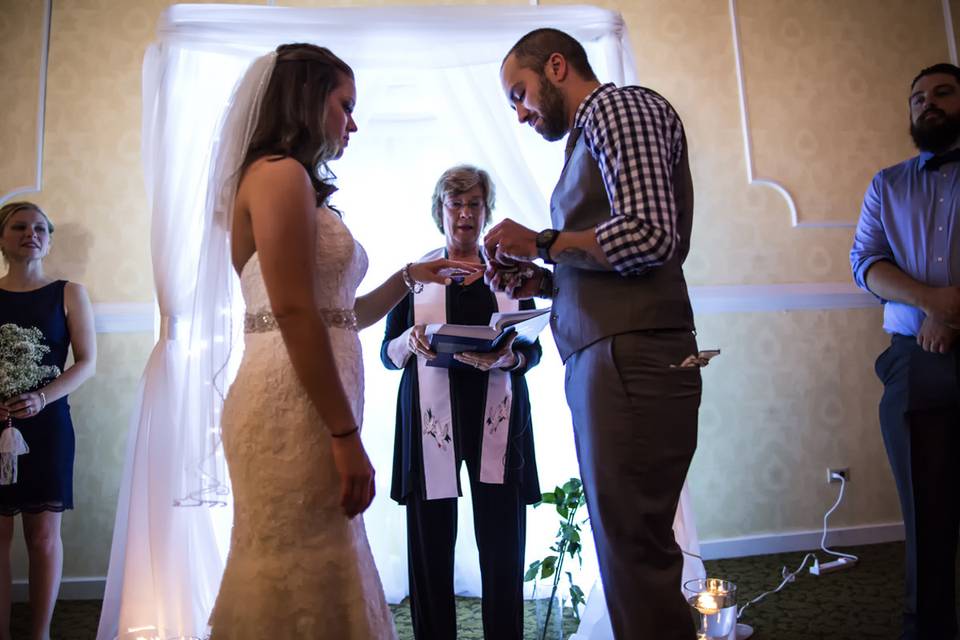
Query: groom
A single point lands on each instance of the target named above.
(622, 212)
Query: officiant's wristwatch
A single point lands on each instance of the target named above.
(544, 241)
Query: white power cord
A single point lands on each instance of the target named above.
(823, 540)
(788, 577)
(845, 559)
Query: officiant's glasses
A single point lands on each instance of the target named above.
(473, 206)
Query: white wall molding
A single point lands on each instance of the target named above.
(787, 542)
(951, 35)
(41, 109)
(779, 297)
(124, 317)
(141, 317)
(752, 178)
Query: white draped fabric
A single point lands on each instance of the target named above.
(428, 97)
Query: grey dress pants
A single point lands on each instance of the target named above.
(635, 425)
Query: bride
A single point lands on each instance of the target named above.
(299, 564)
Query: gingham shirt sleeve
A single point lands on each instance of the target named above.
(636, 138)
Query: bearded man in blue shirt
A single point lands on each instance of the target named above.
(907, 252)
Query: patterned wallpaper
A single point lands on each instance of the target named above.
(793, 392)
(20, 26)
(822, 94)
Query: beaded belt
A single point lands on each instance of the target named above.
(264, 320)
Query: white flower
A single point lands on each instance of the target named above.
(21, 352)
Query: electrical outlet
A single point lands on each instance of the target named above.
(843, 471)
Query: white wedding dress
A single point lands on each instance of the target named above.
(297, 568)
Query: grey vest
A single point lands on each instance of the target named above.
(591, 305)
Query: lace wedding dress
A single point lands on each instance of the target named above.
(297, 568)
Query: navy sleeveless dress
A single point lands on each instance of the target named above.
(45, 475)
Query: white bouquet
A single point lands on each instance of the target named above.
(21, 352)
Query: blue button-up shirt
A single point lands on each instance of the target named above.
(910, 218)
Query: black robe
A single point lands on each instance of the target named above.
(473, 304)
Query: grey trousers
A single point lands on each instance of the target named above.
(635, 425)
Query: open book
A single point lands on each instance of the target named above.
(448, 339)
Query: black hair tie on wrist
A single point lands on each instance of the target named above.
(345, 433)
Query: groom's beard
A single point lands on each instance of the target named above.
(552, 111)
(935, 134)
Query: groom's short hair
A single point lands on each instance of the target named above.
(534, 49)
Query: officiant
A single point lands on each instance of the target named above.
(477, 412)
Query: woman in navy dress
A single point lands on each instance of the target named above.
(44, 487)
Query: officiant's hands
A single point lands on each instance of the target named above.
(503, 358)
(418, 344)
(356, 474)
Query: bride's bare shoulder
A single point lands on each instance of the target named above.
(269, 170)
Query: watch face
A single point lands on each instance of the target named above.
(544, 241)
(546, 237)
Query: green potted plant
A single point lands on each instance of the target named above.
(567, 499)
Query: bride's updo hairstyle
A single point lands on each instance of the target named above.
(293, 110)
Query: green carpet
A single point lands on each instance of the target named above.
(865, 601)
(470, 622)
(860, 603)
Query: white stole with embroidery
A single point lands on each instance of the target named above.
(436, 414)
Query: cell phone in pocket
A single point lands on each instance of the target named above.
(706, 354)
(699, 360)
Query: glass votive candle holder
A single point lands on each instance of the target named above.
(714, 602)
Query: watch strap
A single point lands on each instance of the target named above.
(545, 240)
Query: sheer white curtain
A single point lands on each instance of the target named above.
(428, 97)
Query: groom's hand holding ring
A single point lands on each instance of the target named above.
(509, 240)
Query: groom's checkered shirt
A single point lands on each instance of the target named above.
(636, 137)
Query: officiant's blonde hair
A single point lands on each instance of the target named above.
(7, 211)
(460, 179)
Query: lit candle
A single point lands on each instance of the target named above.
(713, 604)
(707, 604)
(716, 603)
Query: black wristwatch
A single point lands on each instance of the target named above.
(545, 240)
